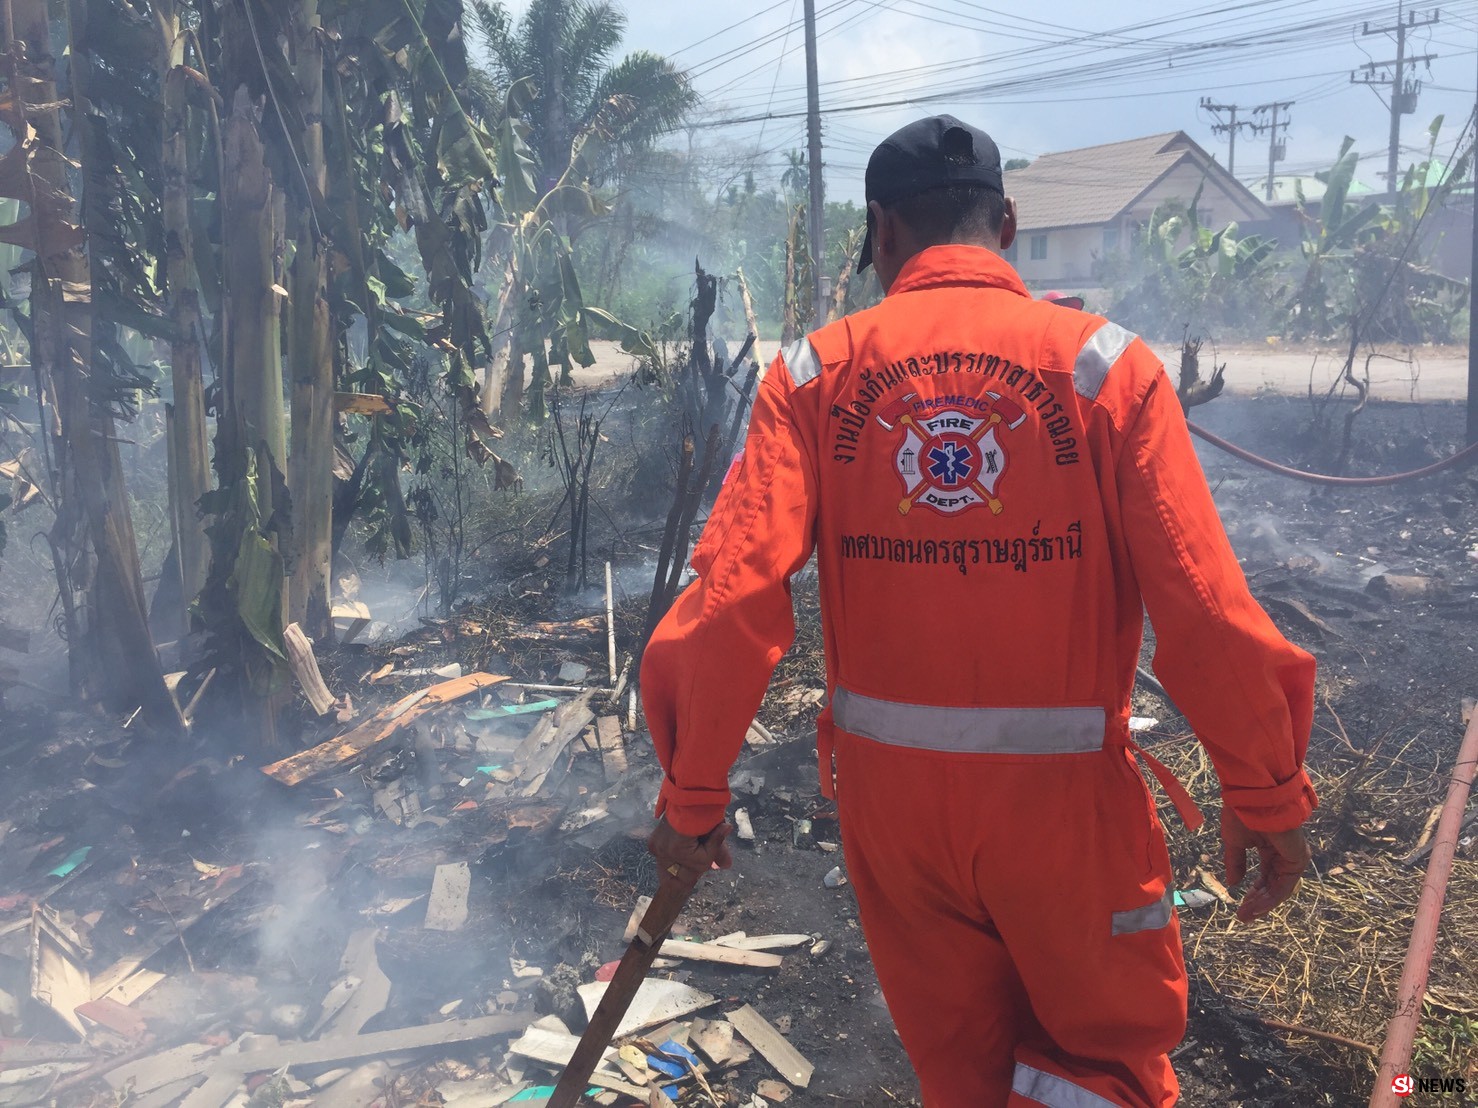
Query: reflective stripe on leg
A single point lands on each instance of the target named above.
(1053, 1091)
(1149, 918)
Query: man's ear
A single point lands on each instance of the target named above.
(1008, 224)
(880, 226)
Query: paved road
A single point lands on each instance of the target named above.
(1432, 373)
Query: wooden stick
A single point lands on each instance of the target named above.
(610, 626)
(1327, 1036)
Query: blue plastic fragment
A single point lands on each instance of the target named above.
(665, 1067)
(71, 862)
(544, 1092)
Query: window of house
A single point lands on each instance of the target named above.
(1110, 239)
(1039, 248)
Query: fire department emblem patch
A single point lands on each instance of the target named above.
(950, 458)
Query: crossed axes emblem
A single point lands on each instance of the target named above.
(1002, 411)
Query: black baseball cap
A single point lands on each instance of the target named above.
(929, 154)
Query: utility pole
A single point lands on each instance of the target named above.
(1472, 315)
(816, 214)
(1404, 91)
(1276, 147)
(1229, 128)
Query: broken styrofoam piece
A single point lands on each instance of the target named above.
(742, 826)
(447, 908)
(656, 1002)
(1142, 723)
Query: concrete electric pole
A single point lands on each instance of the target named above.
(1473, 313)
(1404, 90)
(1229, 128)
(1276, 147)
(816, 208)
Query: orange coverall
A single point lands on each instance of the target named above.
(996, 490)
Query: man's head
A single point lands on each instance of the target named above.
(935, 181)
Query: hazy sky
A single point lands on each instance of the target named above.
(1053, 76)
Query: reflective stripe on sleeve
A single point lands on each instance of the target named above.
(801, 361)
(1053, 1091)
(1099, 353)
(970, 730)
(1151, 917)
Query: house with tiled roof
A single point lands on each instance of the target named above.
(1077, 207)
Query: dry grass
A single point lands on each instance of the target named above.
(1331, 959)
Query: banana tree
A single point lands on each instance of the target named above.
(78, 266)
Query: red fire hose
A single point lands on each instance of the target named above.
(1401, 1032)
(1462, 457)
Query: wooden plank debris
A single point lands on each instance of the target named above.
(301, 661)
(655, 1003)
(369, 987)
(355, 617)
(344, 1048)
(555, 1049)
(612, 745)
(766, 942)
(446, 910)
(715, 1039)
(773, 1046)
(59, 977)
(634, 921)
(144, 1075)
(776, 1092)
(727, 955)
(127, 989)
(536, 756)
(379, 728)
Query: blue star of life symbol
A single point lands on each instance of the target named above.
(951, 463)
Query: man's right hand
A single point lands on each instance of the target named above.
(1282, 858)
(685, 858)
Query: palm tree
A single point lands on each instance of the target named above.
(793, 181)
(567, 48)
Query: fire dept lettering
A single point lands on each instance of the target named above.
(1018, 552)
(1030, 390)
(950, 458)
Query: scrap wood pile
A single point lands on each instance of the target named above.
(131, 982)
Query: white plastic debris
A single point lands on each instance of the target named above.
(1142, 723)
(742, 826)
(834, 878)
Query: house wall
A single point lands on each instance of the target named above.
(1216, 207)
(1072, 254)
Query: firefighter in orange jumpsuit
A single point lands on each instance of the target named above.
(996, 490)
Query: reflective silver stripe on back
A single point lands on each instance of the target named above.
(1151, 917)
(1102, 350)
(1053, 1091)
(970, 730)
(800, 359)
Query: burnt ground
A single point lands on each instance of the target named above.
(242, 892)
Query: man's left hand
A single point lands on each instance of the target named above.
(685, 858)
